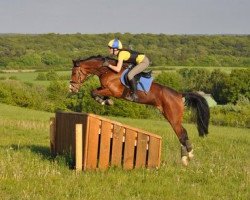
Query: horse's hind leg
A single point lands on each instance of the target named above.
(186, 147)
(173, 112)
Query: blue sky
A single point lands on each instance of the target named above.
(134, 16)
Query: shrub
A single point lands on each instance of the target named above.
(170, 79)
(52, 76)
(3, 78)
(41, 77)
(13, 78)
(231, 115)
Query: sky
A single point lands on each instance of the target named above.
(125, 16)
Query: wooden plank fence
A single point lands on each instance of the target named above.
(95, 142)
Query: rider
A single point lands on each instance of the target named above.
(140, 62)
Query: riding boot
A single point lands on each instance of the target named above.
(133, 87)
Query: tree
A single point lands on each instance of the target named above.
(240, 84)
(194, 79)
(170, 79)
(219, 86)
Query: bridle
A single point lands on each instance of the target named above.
(80, 75)
(75, 85)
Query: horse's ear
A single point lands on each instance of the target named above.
(75, 63)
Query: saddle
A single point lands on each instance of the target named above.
(143, 79)
(146, 74)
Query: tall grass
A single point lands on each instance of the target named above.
(220, 170)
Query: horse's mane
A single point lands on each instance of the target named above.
(98, 57)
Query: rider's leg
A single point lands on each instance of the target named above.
(136, 70)
(133, 88)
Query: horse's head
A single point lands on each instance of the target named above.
(82, 69)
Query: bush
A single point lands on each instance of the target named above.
(3, 77)
(13, 78)
(56, 97)
(231, 115)
(52, 76)
(25, 95)
(170, 79)
(41, 77)
(194, 79)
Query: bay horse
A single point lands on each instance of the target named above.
(170, 102)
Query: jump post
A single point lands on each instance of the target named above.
(95, 142)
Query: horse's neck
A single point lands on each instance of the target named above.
(106, 70)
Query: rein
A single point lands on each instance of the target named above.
(99, 70)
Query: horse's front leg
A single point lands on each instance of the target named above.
(101, 95)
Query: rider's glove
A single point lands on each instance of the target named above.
(105, 64)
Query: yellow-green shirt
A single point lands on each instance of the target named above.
(125, 55)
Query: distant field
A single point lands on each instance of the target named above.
(30, 75)
(158, 69)
(220, 170)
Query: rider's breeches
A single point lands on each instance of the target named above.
(138, 68)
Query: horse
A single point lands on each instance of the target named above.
(170, 102)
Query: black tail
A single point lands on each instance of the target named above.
(199, 103)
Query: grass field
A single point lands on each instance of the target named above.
(220, 170)
(30, 76)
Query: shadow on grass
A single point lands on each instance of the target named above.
(42, 151)
(45, 154)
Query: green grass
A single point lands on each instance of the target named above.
(220, 169)
(31, 76)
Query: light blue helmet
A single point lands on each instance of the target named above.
(115, 44)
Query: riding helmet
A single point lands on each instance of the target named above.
(115, 44)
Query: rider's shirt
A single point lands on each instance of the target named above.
(125, 55)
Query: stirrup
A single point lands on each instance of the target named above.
(132, 97)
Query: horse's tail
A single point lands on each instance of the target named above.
(199, 103)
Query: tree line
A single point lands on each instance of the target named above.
(231, 89)
(21, 51)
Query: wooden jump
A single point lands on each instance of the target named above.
(95, 142)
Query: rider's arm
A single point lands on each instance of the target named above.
(118, 67)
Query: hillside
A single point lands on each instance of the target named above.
(57, 50)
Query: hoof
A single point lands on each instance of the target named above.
(109, 102)
(184, 160)
(191, 154)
